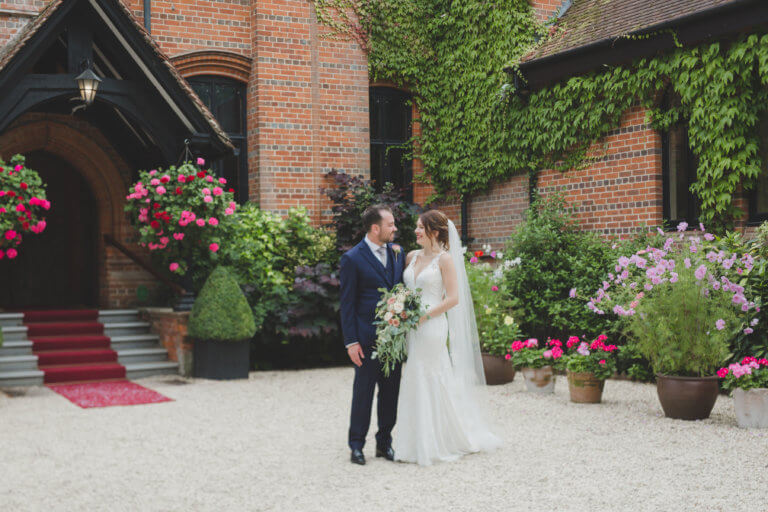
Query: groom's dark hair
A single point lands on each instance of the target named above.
(372, 215)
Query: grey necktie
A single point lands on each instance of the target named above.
(382, 255)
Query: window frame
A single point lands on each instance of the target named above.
(387, 143)
(693, 208)
(239, 139)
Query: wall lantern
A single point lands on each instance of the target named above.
(88, 83)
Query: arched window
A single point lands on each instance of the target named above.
(390, 121)
(226, 99)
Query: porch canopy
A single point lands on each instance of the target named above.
(143, 106)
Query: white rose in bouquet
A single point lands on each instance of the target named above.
(387, 316)
(399, 307)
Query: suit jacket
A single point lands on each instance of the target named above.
(362, 274)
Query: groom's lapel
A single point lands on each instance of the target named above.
(373, 260)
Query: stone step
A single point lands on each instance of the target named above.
(16, 348)
(11, 319)
(21, 378)
(16, 333)
(126, 329)
(139, 370)
(118, 316)
(142, 355)
(134, 341)
(18, 363)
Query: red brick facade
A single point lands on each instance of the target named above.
(307, 107)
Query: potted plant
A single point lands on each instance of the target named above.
(537, 363)
(587, 366)
(680, 309)
(495, 326)
(22, 205)
(749, 382)
(180, 214)
(222, 326)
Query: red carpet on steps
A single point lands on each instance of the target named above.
(104, 394)
(71, 347)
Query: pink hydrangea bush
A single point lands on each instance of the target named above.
(179, 215)
(22, 205)
(595, 357)
(529, 354)
(751, 373)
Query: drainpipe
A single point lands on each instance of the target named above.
(148, 15)
(464, 221)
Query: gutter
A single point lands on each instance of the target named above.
(569, 54)
(148, 15)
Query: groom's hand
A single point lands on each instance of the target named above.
(356, 354)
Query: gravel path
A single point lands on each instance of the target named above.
(278, 442)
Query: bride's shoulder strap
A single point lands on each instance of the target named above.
(411, 254)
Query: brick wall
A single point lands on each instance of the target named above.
(14, 14)
(544, 9)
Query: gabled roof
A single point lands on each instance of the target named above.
(590, 21)
(28, 32)
(593, 33)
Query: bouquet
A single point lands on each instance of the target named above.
(596, 357)
(751, 373)
(397, 313)
(528, 354)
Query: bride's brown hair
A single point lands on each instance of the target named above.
(436, 224)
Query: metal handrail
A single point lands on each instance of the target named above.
(143, 264)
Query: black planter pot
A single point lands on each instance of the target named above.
(186, 300)
(221, 360)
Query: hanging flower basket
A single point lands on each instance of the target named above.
(22, 205)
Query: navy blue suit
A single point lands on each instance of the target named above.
(361, 275)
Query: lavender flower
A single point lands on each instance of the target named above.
(682, 227)
(700, 272)
(720, 324)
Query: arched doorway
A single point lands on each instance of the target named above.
(57, 268)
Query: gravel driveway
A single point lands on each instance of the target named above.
(278, 442)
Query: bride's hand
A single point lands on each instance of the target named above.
(424, 318)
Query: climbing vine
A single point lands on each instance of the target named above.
(474, 131)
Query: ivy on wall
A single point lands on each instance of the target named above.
(451, 55)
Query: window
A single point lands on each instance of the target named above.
(390, 121)
(679, 173)
(226, 99)
(758, 202)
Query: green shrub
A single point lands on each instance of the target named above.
(351, 195)
(221, 312)
(555, 257)
(495, 325)
(263, 250)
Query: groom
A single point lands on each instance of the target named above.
(370, 265)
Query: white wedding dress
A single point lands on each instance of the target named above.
(438, 415)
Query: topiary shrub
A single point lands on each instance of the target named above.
(221, 312)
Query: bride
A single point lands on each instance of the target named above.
(440, 417)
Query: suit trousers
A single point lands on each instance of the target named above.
(367, 377)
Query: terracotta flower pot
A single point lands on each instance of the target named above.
(497, 370)
(687, 398)
(539, 380)
(585, 388)
(751, 407)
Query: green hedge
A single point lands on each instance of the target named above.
(221, 312)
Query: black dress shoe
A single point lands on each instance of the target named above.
(388, 453)
(357, 457)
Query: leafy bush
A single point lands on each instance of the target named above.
(495, 325)
(263, 250)
(555, 257)
(22, 205)
(314, 304)
(180, 214)
(351, 195)
(678, 303)
(221, 312)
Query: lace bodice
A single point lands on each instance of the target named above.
(430, 279)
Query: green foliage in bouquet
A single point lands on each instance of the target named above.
(221, 312)
(397, 313)
(22, 205)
